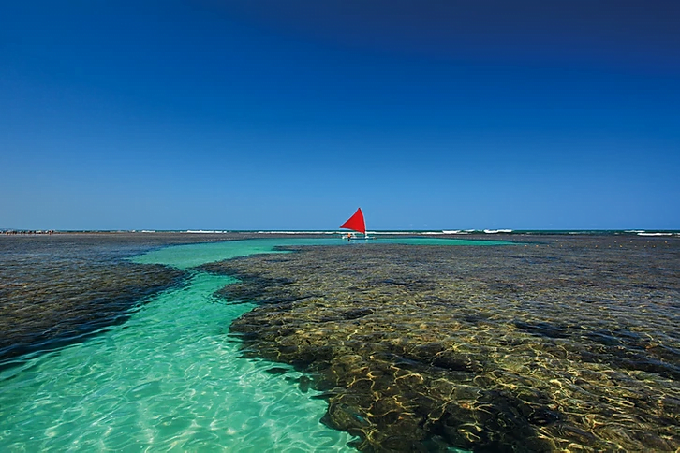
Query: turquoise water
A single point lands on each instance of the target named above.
(440, 241)
(188, 256)
(169, 379)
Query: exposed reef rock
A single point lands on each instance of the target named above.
(58, 289)
(568, 344)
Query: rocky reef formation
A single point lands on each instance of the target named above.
(567, 344)
(57, 289)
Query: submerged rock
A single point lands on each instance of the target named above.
(567, 344)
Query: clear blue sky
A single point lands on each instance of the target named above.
(290, 115)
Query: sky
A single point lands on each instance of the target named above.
(275, 115)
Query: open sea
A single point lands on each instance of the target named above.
(122, 342)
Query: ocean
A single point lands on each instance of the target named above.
(151, 342)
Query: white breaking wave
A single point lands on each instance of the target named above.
(497, 231)
(655, 234)
(206, 231)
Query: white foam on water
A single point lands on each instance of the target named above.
(655, 234)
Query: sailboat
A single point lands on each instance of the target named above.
(356, 223)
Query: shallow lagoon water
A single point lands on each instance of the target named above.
(169, 379)
(193, 255)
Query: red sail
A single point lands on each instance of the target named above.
(356, 222)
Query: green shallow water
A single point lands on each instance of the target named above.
(188, 256)
(169, 379)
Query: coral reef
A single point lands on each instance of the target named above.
(563, 344)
